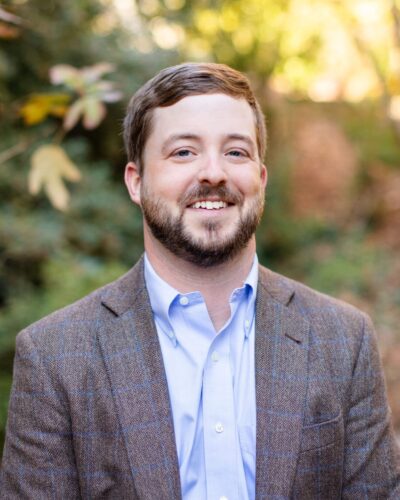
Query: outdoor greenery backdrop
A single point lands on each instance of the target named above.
(327, 74)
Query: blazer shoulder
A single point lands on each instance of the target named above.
(337, 330)
(286, 289)
(315, 306)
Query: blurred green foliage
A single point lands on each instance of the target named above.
(49, 259)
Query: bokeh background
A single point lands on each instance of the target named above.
(327, 73)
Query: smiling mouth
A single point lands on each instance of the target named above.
(209, 205)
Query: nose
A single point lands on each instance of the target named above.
(212, 171)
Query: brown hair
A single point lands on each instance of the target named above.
(173, 84)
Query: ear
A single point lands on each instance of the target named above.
(133, 181)
(264, 176)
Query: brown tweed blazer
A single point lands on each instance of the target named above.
(90, 416)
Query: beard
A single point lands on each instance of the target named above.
(172, 232)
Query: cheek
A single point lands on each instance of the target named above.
(164, 185)
(250, 183)
(175, 174)
(171, 189)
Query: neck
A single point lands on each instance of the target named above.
(215, 283)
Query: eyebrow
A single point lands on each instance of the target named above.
(177, 137)
(230, 137)
(240, 137)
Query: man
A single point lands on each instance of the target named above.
(199, 374)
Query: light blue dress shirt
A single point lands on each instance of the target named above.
(211, 382)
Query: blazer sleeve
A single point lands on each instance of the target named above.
(372, 458)
(38, 459)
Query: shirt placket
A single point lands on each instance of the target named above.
(219, 422)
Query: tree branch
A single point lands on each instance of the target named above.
(21, 146)
(14, 151)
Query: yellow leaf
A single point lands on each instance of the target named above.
(33, 113)
(59, 110)
(39, 106)
(49, 166)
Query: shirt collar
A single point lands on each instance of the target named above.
(162, 295)
(251, 283)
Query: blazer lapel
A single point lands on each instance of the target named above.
(281, 350)
(134, 364)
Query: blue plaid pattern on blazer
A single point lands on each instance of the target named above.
(90, 416)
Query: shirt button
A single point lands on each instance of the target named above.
(219, 428)
(184, 301)
(214, 356)
(247, 323)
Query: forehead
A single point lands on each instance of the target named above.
(204, 115)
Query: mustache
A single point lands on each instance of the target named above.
(204, 191)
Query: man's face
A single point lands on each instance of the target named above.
(202, 188)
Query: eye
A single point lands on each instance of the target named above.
(237, 153)
(182, 153)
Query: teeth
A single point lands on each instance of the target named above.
(210, 205)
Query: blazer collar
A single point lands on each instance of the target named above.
(122, 294)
